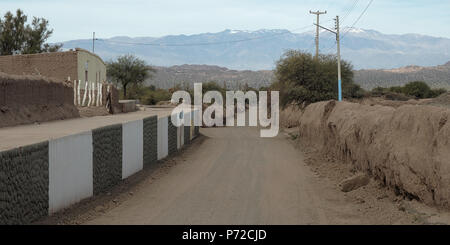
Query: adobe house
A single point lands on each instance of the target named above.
(78, 64)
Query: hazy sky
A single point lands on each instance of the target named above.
(77, 19)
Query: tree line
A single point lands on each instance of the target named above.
(17, 36)
(300, 77)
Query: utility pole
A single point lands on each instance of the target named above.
(338, 54)
(318, 13)
(338, 59)
(93, 42)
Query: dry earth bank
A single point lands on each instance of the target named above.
(405, 148)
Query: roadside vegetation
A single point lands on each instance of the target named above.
(411, 90)
(300, 77)
(303, 79)
(128, 70)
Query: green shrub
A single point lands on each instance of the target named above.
(302, 78)
(417, 89)
(396, 89)
(396, 96)
(147, 95)
(436, 92)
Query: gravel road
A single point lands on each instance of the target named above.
(232, 176)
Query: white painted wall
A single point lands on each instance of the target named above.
(70, 170)
(180, 140)
(132, 148)
(180, 134)
(163, 142)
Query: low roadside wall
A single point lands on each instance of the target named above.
(163, 140)
(128, 105)
(406, 148)
(41, 179)
(24, 183)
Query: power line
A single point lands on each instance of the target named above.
(354, 23)
(204, 43)
(331, 45)
(350, 10)
(331, 40)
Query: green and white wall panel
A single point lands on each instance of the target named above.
(41, 179)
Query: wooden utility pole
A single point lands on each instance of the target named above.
(338, 54)
(338, 58)
(318, 13)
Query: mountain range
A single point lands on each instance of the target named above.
(259, 50)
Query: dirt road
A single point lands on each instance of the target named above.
(232, 176)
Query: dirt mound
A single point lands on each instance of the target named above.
(442, 100)
(290, 116)
(93, 111)
(406, 148)
(30, 99)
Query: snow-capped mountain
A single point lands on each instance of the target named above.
(259, 50)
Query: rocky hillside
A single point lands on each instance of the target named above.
(167, 77)
(186, 75)
(435, 76)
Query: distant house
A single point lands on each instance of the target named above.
(78, 64)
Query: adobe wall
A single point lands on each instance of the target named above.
(56, 65)
(30, 99)
(406, 148)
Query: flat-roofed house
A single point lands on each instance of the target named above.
(78, 64)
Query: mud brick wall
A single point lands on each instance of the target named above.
(29, 99)
(58, 65)
(33, 90)
(172, 137)
(187, 135)
(24, 184)
(107, 157)
(150, 140)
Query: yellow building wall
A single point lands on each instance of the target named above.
(94, 65)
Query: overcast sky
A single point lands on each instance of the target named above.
(72, 19)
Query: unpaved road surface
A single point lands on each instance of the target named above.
(232, 176)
